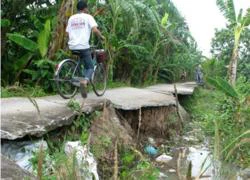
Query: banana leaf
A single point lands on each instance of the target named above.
(223, 86)
(22, 41)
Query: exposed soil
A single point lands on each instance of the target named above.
(157, 122)
(122, 127)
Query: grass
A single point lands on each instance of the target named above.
(23, 91)
(203, 107)
(116, 84)
(53, 163)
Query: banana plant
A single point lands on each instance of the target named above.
(28, 44)
(36, 50)
(223, 86)
(240, 100)
(238, 24)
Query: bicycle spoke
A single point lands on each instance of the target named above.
(65, 85)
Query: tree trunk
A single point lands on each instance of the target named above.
(147, 73)
(232, 71)
(233, 67)
(156, 73)
(59, 36)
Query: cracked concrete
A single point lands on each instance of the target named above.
(20, 117)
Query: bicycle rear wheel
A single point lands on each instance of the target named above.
(63, 77)
(99, 79)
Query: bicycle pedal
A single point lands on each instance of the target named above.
(76, 83)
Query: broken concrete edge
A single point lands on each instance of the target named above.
(90, 108)
(52, 125)
(40, 131)
(129, 108)
(187, 92)
(186, 88)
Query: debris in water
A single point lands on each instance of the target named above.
(163, 158)
(87, 163)
(150, 150)
(162, 175)
(201, 160)
(151, 141)
(172, 170)
(23, 152)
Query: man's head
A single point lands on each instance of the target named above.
(81, 5)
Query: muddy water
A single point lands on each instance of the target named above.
(192, 155)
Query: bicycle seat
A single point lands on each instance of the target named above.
(76, 52)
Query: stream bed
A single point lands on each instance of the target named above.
(192, 157)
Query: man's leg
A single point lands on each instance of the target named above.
(86, 60)
(88, 65)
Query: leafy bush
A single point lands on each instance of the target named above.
(214, 68)
(136, 167)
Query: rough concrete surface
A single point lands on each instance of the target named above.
(133, 98)
(186, 88)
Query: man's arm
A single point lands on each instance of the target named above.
(98, 33)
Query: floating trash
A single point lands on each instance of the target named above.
(150, 150)
(163, 158)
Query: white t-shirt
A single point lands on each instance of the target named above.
(79, 28)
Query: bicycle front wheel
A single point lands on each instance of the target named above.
(63, 77)
(99, 79)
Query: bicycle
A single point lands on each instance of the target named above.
(69, 73)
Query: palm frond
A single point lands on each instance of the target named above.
(150, 13)
(133, 47)
(21, 63)
(22, 41)
(37, 23)
(43, 39)
(174, 14)
(239, 18)
(129, 9)
(228, 10)
(223, 86)
(246, 18)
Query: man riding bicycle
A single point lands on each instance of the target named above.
(79, 28)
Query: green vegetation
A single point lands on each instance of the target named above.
(135, 166)
(237, 24)
(22, 91)
(147, 41)
(223, 114)
(53, 163)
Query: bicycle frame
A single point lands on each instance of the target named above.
(78, 63)
(74, 75)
